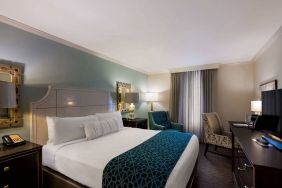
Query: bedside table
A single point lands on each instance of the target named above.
(21, 166)
(135, 123)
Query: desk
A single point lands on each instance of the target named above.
(252, 164)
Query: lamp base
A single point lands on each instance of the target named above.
(131, 115)
(131, 110)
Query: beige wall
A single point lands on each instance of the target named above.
(234, 91)
(268, 66)
(160, 83)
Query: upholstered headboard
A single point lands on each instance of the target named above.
(65, 102)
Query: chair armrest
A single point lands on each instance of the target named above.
(158, 127)
(178, 126)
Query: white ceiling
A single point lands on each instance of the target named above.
(156, 35)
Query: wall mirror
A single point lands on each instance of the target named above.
(11, 78)
(122, 88)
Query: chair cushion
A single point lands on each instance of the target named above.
(162, 119)
(214, 123)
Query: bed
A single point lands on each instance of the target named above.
(80, 162)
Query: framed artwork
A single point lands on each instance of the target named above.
(12, 73)
(272, 85)
(121, 89)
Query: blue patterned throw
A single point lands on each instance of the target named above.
(149, 164)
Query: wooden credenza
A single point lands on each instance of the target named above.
(252, 164)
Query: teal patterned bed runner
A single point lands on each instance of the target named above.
(148, 164)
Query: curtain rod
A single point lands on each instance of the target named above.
(195, 68)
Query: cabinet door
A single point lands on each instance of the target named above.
(21, 171)
(142, 124)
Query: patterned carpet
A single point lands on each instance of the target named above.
(214, 171)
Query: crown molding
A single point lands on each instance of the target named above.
(43, 34)
(272, 39)
(196, 68)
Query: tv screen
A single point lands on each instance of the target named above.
(272, 104)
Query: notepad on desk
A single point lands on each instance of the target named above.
(240, 125)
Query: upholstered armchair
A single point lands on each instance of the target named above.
(214, 132)
(159, 120)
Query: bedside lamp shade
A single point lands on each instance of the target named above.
(131, 98)
(151, 97)
(7, 95)
(256, 107)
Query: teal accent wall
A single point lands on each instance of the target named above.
(51, 63)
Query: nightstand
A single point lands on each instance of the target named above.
(21, 166)
(135, 123)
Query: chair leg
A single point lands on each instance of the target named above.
(206, 149)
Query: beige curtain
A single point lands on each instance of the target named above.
(174, 95)
(192, 93)
(208, 90)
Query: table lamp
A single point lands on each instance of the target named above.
(151, 97)
(7, 96)
(131, 98)
(256, 107)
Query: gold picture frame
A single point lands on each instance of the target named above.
(121, 89)
(15, 72)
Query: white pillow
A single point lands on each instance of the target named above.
(95, 129)
(111, 115)
(61, 130)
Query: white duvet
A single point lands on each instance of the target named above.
(84, 161)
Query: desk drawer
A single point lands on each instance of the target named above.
(243, 170)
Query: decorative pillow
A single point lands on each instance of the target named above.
(95, 129)
(61, 130)
(111, 115)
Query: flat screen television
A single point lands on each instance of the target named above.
(272, 104)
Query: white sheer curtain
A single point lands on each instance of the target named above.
(190, 107)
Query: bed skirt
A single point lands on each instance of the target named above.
(54, 179)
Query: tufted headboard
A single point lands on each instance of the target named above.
(66, 102)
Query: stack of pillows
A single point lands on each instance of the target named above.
(65, 129)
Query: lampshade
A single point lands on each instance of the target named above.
(131, 97)
(256, 106)
(7, 95)
(151, 97)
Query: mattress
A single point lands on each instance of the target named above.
(84, 161)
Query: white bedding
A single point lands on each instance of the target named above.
(84, 161)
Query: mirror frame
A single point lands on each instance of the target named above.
(121, 89)
(16, 72)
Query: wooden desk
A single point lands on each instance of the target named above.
(252, 164)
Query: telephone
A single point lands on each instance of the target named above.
(12, 140)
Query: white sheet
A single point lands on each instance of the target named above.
(84, 161)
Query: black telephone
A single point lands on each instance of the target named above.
(12, 140)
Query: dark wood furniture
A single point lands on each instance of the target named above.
(252, 164)
(135, 123)
(21, 166)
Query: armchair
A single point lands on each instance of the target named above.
(214, 132)
(159, 120)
